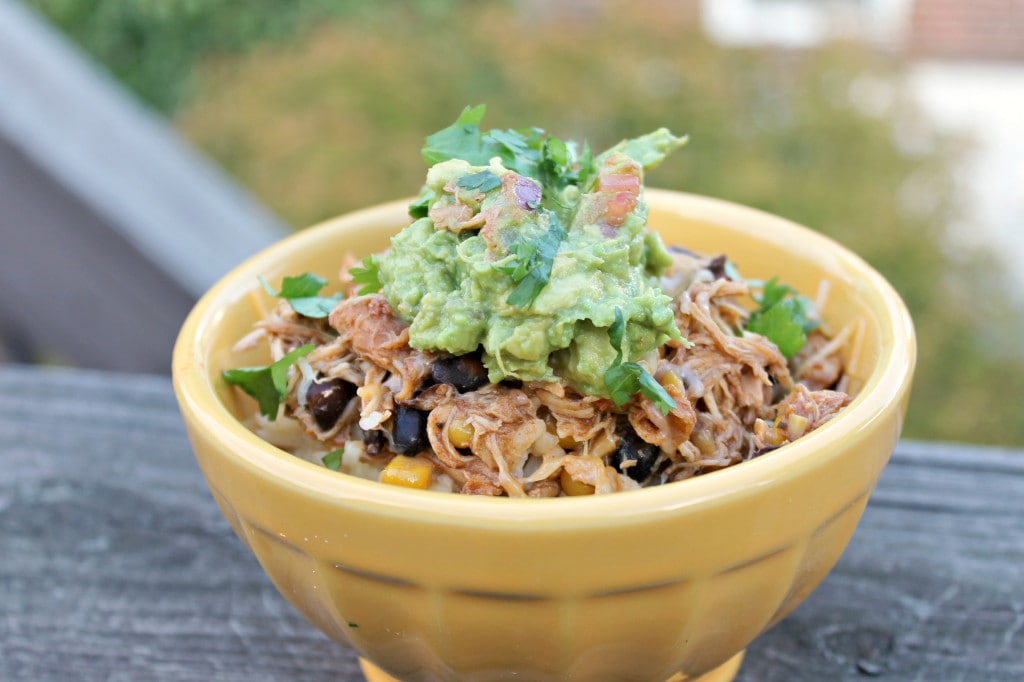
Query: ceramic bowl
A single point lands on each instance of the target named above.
(670, 582)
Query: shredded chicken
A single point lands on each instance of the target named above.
(368, 326)
(799, 413)
(502, 425)
(736, 396)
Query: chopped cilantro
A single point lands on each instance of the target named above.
(616, 332)
(332, 460)
(484, 181)
(518, 149)
(783, 316)
(561, 165)
(460, 140)
(268, 385)
(527, 151)
(519, 265)
(531, 262)
(421, 207)
(625, 379)
(368, 275)
(302, 294)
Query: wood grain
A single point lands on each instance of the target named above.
(115, 563)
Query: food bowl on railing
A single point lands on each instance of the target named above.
(670, 581)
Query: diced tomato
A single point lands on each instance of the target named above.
(619, 207)
(618, 182)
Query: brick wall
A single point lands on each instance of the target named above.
(968, 29)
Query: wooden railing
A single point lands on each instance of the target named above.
(110, 224)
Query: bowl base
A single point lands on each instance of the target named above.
(723, 673)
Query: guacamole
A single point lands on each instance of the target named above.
(533, 269)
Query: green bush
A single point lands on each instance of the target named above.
(334, 121)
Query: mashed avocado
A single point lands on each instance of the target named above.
(529, 255)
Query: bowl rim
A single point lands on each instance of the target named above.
(205, 414)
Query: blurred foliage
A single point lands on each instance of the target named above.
(154, 46)
(334, 121)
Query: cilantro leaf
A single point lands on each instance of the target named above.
(484, 181)
(368, 275)
(561, 166)
(421, 207)
(527, 151)
(650, 387)
(624, 379)
(783, 316)
(520, 150)
(460, 140)
(531, 263)
(586, 165)
(615, 334)
(303, 286)
(772, 292)
(518, 267)
(332, 460)
(268, 385)
(779, 325)
(301, 293)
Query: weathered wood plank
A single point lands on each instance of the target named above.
(932, 584)
(116, 565)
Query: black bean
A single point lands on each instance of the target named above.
(763, 451)
(464, 372)
(717, 267)
(374, 442)
(641, 456)
(409, 432)
(327, 400)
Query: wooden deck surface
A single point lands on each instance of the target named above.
(115, 563)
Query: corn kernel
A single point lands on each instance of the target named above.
(460, 433)
(705, 441)
(408, 472)
(574, 488)
(565, 442)
(778, 435)
(796, 426)
(670, 379)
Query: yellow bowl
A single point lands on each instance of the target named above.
(665, 582)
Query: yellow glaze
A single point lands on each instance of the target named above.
(663, 583)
